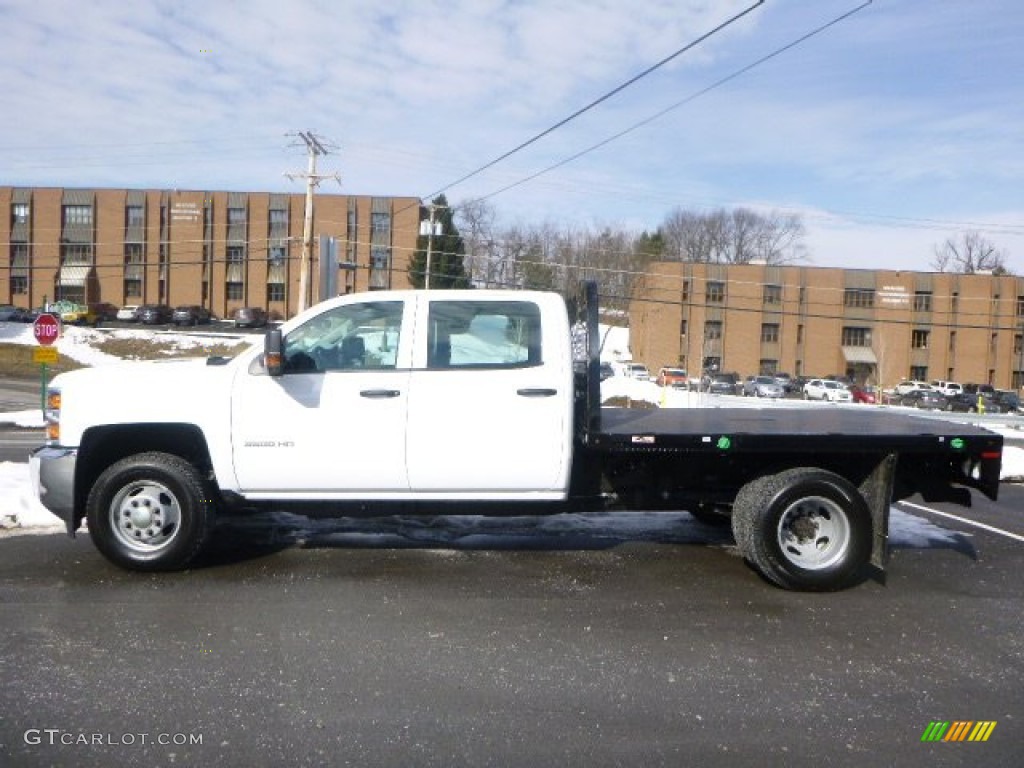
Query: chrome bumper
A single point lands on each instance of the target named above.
(52, 470)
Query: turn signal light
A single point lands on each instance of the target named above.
(53, 401)
(53, 431)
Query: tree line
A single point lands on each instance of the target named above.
(470, 248)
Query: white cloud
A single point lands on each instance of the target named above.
(902, 111)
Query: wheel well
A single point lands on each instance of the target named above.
(102, 446)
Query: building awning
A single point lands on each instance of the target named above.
(860, 355)
(74, 275)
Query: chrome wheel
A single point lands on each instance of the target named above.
(814, 533)
(145, 516)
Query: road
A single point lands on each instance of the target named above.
(583, 641)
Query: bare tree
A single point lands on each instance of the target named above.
(736, 237)
(969, 252)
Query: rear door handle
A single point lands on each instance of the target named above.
(378, 394)
(536, 392)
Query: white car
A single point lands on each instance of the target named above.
(637, 371)
(129, 312)
(905, 387)
(948, 388)
(826, 389)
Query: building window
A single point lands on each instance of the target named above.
(683, 327)
(236, 216)
(1017, 344)
(380, 267)
(856, 337)
(919, 339)
(952, 341)
(134, 216)
(133, 270)
(768, 367)
(713, 330)
(863, 298)
(802, 298)
(773, 294)
(235, 291)
(714, 293)
(922, 301)
(769, 333)
(76, 253)
(380, 222)
(275, 291)
(1020, 306)
(993, 343)
(278, 219)
(919, 373)
(800, 334)
(954, 302)
(19, 268)
(19, 213)
(77, 214)
(686, 291)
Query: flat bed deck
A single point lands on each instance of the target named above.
(833, 430)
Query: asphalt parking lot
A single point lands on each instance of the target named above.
(570, 641)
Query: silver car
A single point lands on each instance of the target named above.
(762, 386)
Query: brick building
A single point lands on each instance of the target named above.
(876, 326)
(222, 250)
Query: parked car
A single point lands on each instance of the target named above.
(974, 389)
(762, 386)
(1009, 401)
(910, 385)
(948, 388)
(974, 403)
(828, 390)
(104, 312)
(637, 371)
(155, 314)
(863, 394)
(128, 313)
(722, 383)
(672, 377)
(607, 371)
(924, 398)
(784, 380)
(250, 317)
(191, 314)
(11, 313)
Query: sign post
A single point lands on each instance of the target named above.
(47, 330)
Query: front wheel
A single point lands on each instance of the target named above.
(151, 512)
(805, 529)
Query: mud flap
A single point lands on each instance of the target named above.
(877, 492)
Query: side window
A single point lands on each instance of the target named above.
(483, 334)
(351, 337)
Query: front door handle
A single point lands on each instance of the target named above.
(378, 394)
(536, 392)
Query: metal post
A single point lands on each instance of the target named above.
(430, 246)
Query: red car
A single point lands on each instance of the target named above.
(863, 394)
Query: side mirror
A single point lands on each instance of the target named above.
(273, 357)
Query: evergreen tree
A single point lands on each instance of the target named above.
(447, 252)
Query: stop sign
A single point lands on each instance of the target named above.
(47, 329)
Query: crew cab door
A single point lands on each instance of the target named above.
(490, 398)
(334, 422)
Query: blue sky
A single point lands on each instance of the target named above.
(889, 132)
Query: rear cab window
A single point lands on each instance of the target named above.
(483, 334)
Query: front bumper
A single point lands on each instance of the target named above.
(52, 470)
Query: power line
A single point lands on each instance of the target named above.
(715, 85)
(599, 100)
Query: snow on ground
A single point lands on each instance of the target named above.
(77, 343)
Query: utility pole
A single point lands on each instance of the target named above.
(432, 229)
(314, 148)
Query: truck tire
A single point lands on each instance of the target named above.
(151, 512)
(804, 529)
